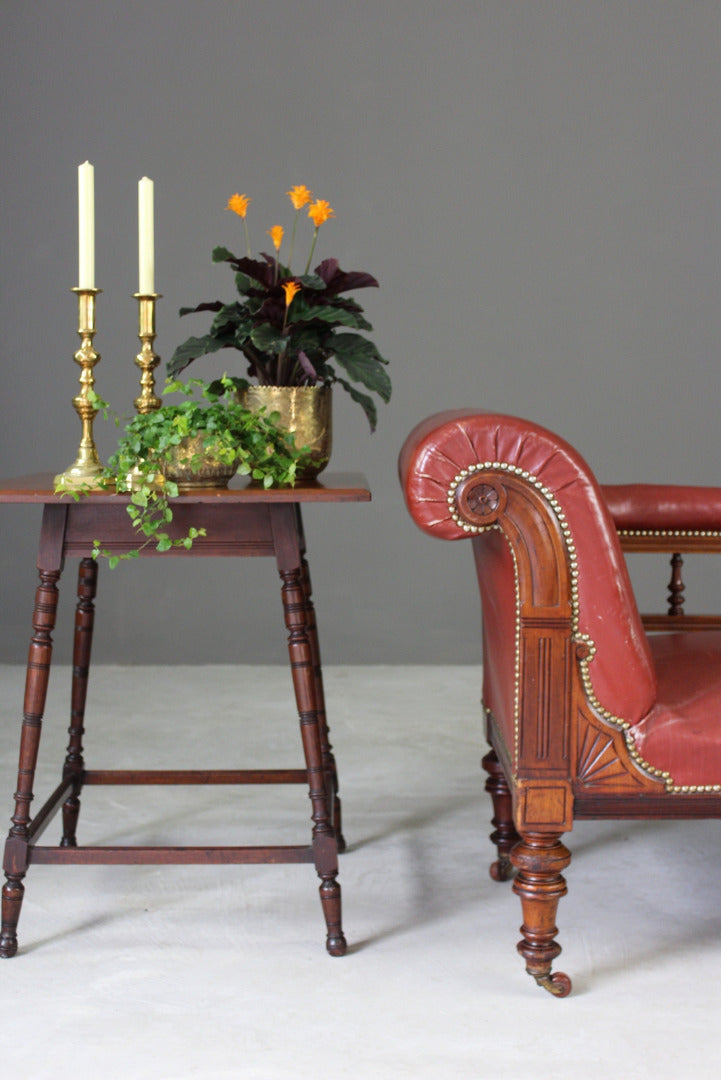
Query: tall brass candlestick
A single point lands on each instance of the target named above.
(86, 468)
(147, 360)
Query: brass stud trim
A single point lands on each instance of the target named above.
(585, 659)
(680, 533)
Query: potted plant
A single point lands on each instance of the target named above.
(297, 331)
(189, 444)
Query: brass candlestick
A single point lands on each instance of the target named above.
(86, 468)
(147, 360)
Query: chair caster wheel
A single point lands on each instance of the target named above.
(501, 870)
(557, 984)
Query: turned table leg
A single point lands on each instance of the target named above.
(329, 761)
(16, 859)
(286, 536)
(82, 646)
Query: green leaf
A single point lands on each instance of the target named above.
(229, 320)
(249, 437)
(243, 282)
(221, 254)
(312, 281)
(268, 339)
(193, 348)
(363, 363)
(228, 384)
(335, 316)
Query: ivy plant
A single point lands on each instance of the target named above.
(234, 435)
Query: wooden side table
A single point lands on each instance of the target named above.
(240, 521)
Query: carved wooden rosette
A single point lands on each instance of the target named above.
(540, 744)
(560, 747)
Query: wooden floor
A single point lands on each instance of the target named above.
(175, 972)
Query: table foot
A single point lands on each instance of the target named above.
(330, 900)
(12, 898)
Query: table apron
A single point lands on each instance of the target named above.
(238, 530)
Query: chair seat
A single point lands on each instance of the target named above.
(682, 733)
(663, 506)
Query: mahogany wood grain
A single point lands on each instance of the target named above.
(82, 647)
(241, 521)
(504, 835)
(329, 487)
(193, 776)
(168, 856)
(701, 543)
(537, 797)
(569, 680)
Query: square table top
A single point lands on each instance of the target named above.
(328, 487)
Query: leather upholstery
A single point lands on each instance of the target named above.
(588, 716)
(436, 451)
(667, 686)
(662, 506)
(682, 732)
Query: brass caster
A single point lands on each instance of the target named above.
(501, 869)
(557, 984)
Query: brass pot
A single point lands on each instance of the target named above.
(305, 411)
(206, 471)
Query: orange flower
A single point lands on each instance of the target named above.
(276, 235)
(320, 211)
(290, 288)
(239, 204)
(300, 196)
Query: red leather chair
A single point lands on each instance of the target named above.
(588, 715)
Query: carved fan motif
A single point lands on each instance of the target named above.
(598, 760)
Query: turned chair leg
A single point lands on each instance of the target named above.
(74, 764)
(504, 835)
(539, 860)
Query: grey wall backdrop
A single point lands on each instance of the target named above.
(535, 183)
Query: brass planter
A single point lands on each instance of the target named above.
(205, 471)
(305, 411)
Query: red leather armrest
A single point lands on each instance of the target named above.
(662, 506)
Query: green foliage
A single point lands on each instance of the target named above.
(231, 433)
(293, 344)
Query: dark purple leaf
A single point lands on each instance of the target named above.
(258, 271)
(338, 281)
(327, 270)
(214, 305)
(272, 310)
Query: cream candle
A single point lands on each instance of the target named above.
(146, 238)
(86, 226)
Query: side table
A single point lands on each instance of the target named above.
(241, 520)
